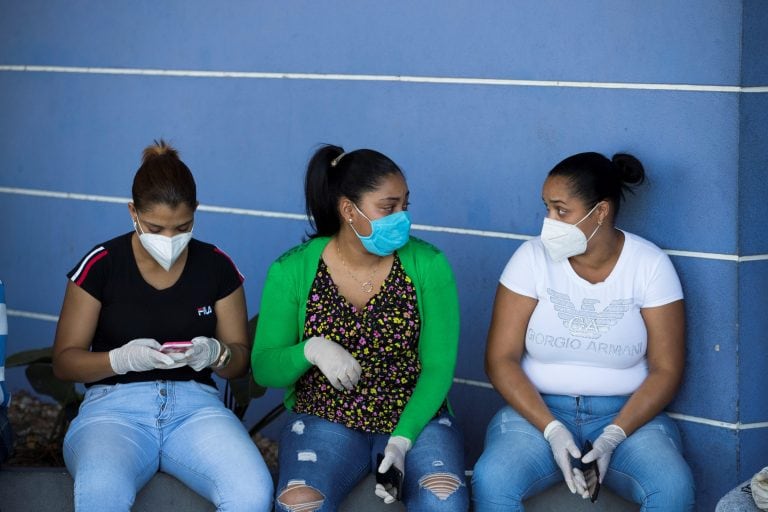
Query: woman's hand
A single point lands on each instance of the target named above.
(394, 455)
(563, 448)
(603, 448)
(203, 352)
(140, 355)
(338, 365)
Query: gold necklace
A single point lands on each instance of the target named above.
(366, 286)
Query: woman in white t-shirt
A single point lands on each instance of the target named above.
(587, 347)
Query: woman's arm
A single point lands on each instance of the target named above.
(72, 358)
(232, 331)
(666, 358)
(278, 358)
(504, 351)
(438, 346)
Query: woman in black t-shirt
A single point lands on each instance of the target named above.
(147, 317)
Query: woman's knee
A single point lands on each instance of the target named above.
(666, 484)
(90, 491)
(442, 485)
(493, 477)
(297, 496)
(251, 496)
(651, 458)
(673, 490)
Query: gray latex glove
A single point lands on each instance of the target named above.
(563, 448)
(140, 355)
(203, 352)
(603, 447)
(338, 365)
(759, 485)
(394, 455)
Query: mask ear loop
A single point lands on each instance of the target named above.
(370, 222)
(599, 222)
(137, 226)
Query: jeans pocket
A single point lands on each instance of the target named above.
(205, 388)
(97, 392)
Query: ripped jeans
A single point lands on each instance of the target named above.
(330, 459)
(647, 468)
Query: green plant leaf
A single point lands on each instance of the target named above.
(38, 355)
(42, 379)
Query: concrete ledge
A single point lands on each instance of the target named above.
(50, 489)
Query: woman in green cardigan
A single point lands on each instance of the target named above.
(360, 325)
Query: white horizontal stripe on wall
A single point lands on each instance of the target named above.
(302, 217)
(381, 78)
(716, 423)
(33, 316)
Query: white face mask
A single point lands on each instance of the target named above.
(164, 249)
(563, 240)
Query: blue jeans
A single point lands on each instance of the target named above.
(125, 433)
(331, 459)
(517, 463)
(739, 499)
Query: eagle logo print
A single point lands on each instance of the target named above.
(587, 322)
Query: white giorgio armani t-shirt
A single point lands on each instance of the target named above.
(584, 338)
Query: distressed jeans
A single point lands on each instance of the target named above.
(331, 459)
(124, 433)
(738, 499)
(647, 468)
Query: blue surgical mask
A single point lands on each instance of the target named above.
(388, 234)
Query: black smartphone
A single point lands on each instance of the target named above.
(591, 473)
(392, 479)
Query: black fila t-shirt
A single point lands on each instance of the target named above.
(131, 308)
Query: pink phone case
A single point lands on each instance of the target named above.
(175, 346)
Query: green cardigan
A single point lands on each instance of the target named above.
(278, 349)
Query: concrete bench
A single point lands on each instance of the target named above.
(50, 489)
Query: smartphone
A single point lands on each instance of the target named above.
(392, 479)
(591, 474)
(175, 346)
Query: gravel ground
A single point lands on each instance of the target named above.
(32, 421)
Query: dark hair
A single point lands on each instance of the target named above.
(333, 174)
(594, 178)
(163, 179)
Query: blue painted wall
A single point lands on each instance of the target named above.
(475, 154)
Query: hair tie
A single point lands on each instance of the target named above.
(336, 160)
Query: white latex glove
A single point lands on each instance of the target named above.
(203, 353)
(603, 447)
(140, 355)
(759, 485)
(563, 448)
(338, 365)
(394, 455)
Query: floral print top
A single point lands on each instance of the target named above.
(383, 336)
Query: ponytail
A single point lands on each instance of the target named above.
(333, 174)
(321, 191)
